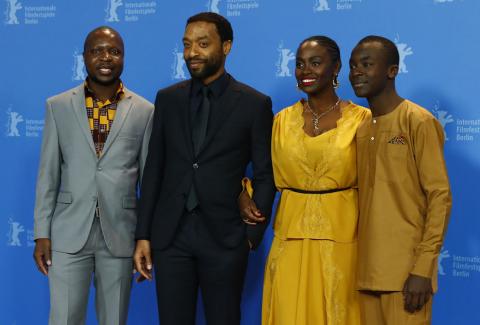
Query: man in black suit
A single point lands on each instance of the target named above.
(205, 132)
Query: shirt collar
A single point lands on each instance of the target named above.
(217, 87)
(119, 94)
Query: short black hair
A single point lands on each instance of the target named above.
(98, 29)
(224, 28)
(329, 44)
(391, 50)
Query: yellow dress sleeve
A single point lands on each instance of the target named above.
(247, 186)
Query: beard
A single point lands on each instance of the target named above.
(210, 67)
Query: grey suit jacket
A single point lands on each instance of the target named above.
(71, 179)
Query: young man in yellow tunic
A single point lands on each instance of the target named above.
(404, 193)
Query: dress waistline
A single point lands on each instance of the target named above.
(297, 190)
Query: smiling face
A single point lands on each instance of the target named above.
(204, 52)
(315, 69)
(103, 56)
(370, 71)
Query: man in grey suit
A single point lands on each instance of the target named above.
(93, 151)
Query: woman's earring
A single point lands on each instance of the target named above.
(335, 82)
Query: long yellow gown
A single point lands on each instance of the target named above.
(311, 268)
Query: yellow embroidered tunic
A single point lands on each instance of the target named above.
(311, 268)
(324, 162)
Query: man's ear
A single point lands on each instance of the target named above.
(392, 71)
(226, 46)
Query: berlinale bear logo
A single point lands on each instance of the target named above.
(403, 51)
(11, 13)
(78, 67)
(111, 10)
(14, 233)
(212, 5)
(443, 117)
(321, 5)
(284, 57)
(14, 118)
(178, 72)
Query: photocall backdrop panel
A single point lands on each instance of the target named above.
(41, 44)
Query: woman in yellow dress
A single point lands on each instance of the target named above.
(311, 268)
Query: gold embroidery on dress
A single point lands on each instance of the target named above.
(274, 258)
(336, 311)
(272, 268)
(313, 219)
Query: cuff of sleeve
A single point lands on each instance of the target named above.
(142, 238)
(255, 235)
(424, 265)
(41, 233)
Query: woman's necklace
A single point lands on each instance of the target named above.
(316, 117)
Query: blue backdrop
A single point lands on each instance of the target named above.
(41, 43)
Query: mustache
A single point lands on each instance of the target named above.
(196, 59)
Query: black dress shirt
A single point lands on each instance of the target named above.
(216, 87)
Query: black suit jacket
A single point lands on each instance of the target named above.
(239, 132)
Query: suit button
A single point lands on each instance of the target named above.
(99, 169)
(195, 166)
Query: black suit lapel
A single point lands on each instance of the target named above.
(183, 105)
(221, 110)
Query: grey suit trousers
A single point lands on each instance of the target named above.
(70, 276)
